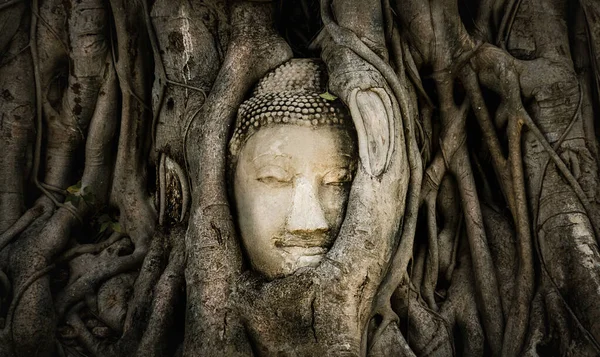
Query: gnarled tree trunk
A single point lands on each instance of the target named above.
(472, 223)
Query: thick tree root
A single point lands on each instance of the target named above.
(253, 50)
(471, 290)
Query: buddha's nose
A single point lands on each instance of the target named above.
(306, 214)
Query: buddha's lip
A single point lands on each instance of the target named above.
(322, 241)
(313, 251)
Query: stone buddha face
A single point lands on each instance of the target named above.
(291, 186)
(292, 172)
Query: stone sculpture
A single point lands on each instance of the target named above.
(292, 158)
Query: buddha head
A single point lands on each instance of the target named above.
(292, 159)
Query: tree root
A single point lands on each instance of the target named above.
(398, 266)
(33, 47)
(96, 274)
(432, 263)
(5, 288)
(471, 283)
(25, 221)
(166, 295)
(427, 332)
(9, 3)
(162, 189)
(151, 310)
(89, 248)
(453, 155)
(19, 295)
(518, 317)
(253, 50)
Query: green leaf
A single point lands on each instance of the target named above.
(75, 188)
(116, 226)
(328, 96)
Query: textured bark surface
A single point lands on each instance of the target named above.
(472, 223)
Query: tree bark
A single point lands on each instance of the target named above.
(472, 222)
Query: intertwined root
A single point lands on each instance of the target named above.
(548, 156)
(382, 309)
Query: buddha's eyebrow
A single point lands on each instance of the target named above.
(273, 156)
(345, 156)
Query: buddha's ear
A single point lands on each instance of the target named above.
(372, 113)
(178, 186)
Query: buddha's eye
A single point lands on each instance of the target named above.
(338, 177)
(273, 175)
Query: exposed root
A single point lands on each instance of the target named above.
(89, 248)
(19, 294)
(9, 4)
(562, 167)
(54, 189)
(388, 317)
(95, 275)
(38, 100)
(507, 23)
(159, 66)
(5, 286)
(432, 261)
(146, 281)
(253, 50)
(586, 333)
(91, 343)
(398, 267)
(453, 155)
(518, 318)
(484, 293)
(162, 189)
(166, 295)
(538, 194)
(25, 221)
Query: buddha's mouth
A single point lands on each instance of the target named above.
(317, 242)
(300, 257)
(313, 251)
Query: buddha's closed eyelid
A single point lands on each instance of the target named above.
(337, 177)
(272, 174)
